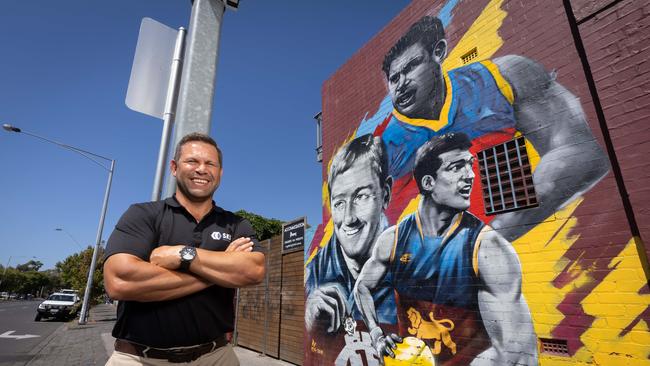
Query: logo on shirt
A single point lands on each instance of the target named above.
(218, 236)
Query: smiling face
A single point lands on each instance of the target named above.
(357, 201)
(452, 184)
(415, 84)
(197, 171)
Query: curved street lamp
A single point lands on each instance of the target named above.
(71, 237)
(94, 158)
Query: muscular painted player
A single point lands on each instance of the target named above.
(507, 94)
(458, 282)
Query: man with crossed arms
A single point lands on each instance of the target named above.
(174, 264)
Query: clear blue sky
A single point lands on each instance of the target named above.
(64, 71)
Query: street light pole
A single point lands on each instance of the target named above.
(92, 157)
(4, 272)
(71, 237)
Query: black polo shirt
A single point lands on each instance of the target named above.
(194, 319)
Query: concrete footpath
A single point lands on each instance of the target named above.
(92, 344)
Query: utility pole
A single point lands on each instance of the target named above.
(194, 109)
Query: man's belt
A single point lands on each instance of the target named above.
(174, 355)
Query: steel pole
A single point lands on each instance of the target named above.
(196, 94)
(169, 114)
(93, 262)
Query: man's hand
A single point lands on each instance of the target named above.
(240, 245)
(384, 345)
(167, 256)
(325, 303)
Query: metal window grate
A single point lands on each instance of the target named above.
(469, 56)
(506, 177)
(554, 346)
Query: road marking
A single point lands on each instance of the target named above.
(8, 334)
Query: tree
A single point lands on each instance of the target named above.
(265, 228)
(32, 265)
(73, 272)
(26, 279)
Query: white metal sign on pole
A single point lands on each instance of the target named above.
(152, 64)
(153, 86)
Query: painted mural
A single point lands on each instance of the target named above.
(407, 268)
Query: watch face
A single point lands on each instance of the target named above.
(188, 253)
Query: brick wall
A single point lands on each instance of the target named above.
(582, 278)
(618, 48)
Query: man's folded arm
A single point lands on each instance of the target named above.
(127, 277)
(229, 269)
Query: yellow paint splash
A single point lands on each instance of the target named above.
(482, 34)
(616, 303)
(410, 208)
(327, 235)
(541, 252)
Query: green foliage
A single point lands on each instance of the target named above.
(32, 265)
(73, 272)
(265, 228)
(25, 279)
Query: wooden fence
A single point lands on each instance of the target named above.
(270, 316)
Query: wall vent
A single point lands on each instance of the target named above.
(556, 347)
(506, 177)
(470, 56)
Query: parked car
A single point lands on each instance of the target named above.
(58, 305)
(71, 291)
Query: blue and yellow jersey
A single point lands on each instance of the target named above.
(478, 101)
(436, 284)
(329, 267)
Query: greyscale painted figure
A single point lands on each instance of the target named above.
(359, 191)
(457, 281)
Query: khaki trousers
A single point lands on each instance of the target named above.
(224, 356)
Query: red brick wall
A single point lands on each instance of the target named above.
(582, 278)
(617, 42)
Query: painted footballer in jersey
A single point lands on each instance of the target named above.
(440, 261)
(446, 264)
(507, 95)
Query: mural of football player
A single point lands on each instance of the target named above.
(509, 93)
(359, 190)
(458, 281)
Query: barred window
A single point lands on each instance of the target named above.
(506, 177)
(469, 56)
(554, 346)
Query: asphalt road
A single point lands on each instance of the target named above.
(17, 319)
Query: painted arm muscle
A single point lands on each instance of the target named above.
(504, 311)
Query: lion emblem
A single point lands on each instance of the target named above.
(435, 330)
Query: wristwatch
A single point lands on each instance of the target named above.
(188, 253)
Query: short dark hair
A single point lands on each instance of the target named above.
(427, 158)
(427, 31)
(197, 136)
(366, 147)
